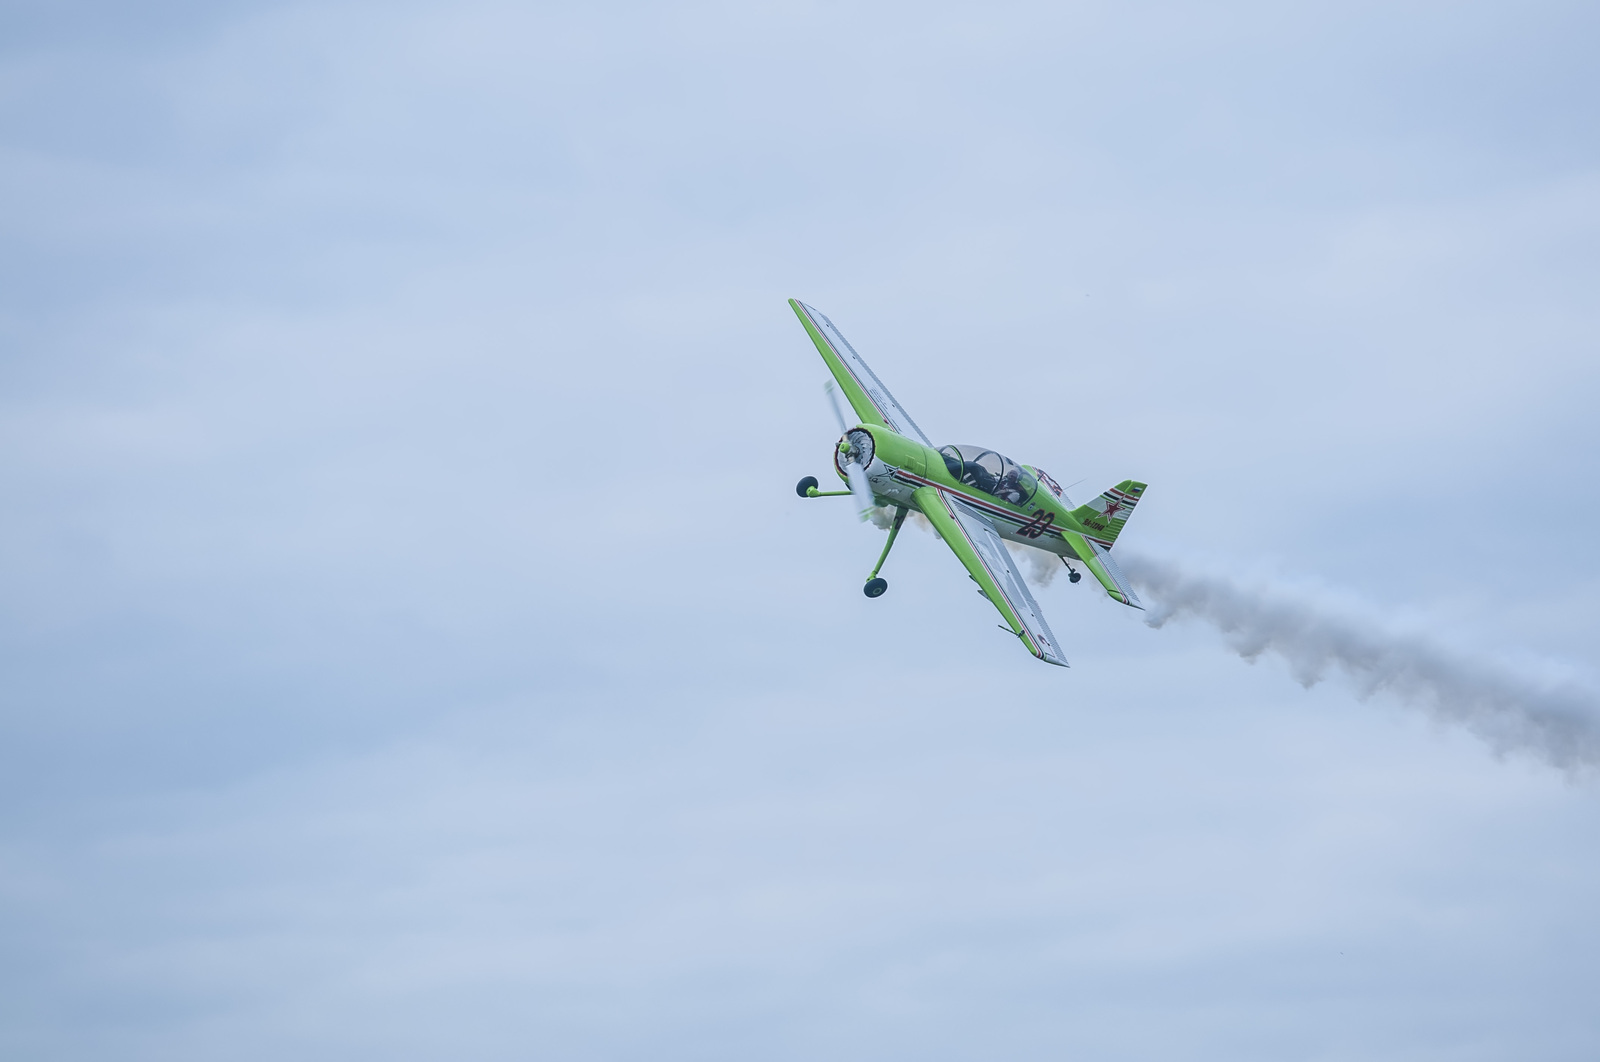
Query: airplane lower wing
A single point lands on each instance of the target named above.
(979, 546)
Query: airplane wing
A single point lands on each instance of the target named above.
(1098, 560)
(979, 546)
(868, 397)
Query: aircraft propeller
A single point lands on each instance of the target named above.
(857, 475)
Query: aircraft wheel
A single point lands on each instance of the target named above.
(805, 485)
(875, 587)
(1073, 577)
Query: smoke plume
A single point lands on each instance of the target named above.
(1558, 723)
(883, 518)
(1042, 565)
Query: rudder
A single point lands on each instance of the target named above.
(1104, 517)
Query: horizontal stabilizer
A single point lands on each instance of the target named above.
(1103, 568)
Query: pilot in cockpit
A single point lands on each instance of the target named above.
(1018, 484)
(980, 477)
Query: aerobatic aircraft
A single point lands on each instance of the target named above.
(974, 497)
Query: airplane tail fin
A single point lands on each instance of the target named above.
(1104, 517)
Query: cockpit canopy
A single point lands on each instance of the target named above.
(990, 472)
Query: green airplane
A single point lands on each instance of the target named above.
(974, 497)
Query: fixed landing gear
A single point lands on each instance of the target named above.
(1073, 574)
(807, 488)
(875, 586)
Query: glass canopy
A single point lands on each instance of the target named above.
(990, 472)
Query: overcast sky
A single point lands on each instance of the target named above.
(413, 647)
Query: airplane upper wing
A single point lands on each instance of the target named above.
(868, 397)
(979, 546)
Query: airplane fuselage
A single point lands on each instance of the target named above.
(900, 465)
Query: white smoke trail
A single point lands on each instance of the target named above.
(1042, 565)
(883, 518)
(1560, 724)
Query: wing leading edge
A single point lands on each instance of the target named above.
(868, 397)
(979, 546)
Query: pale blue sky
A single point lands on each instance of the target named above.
(414, 647)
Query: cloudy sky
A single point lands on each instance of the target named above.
(413, 647)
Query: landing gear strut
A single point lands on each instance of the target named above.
(807, 488)
(1074, 574)
(875, 586)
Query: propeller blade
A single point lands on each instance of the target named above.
(859, 487)
(833, 400)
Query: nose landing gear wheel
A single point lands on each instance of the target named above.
(875, 587)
